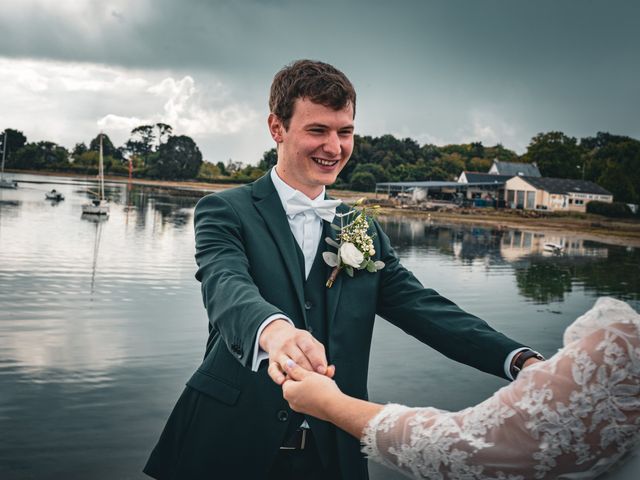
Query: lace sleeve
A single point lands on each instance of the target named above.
(572, 416)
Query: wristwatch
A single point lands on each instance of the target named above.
(521, 358)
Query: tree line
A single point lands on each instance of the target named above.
(152, 150)
(611, 161)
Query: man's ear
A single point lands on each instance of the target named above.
(276, 128)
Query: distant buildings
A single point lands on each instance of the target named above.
(555, 194)
(509, 184)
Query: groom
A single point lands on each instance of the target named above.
(259, 252)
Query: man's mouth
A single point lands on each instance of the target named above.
(325, 163)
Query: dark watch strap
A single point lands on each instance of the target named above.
(521, 358)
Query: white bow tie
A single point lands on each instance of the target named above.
(299, 203)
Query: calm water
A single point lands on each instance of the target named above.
(101, 323)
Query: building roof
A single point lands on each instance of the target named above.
(513, 168)
(478, 177)
(566, 185)
(425, 184)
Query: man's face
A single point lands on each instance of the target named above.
(315, 148)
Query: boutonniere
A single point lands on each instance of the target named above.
(354, 245)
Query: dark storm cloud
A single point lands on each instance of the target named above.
(441, 71)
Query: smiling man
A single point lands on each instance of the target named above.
(259, 253)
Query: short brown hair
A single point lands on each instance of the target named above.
(317, 81)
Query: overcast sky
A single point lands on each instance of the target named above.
(437, 71)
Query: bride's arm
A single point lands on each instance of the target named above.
(319, 396)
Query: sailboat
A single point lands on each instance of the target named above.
(5, 183)
(99, 206)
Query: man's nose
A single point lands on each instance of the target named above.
(332, 145)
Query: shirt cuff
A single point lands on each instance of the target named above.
(509, 360)
(258, 354)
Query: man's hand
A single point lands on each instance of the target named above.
(282, 342)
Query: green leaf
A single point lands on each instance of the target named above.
(379, 265)
(371, 267)
(349, 270)
(336, 227)
(332, 242)
(330, 258)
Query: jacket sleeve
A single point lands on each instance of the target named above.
(234, 305)
(435, 320)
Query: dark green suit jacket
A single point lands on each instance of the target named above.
(230, 421)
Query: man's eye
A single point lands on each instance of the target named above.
(316, 130)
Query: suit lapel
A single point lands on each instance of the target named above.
(333, 293)
(268, 204)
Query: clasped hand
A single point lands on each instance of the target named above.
(283, 342)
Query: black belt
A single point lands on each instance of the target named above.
(298, 440)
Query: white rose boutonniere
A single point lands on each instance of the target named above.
(350, 254)
(355, 247)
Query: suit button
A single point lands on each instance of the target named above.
(308, 305)
(283, 415)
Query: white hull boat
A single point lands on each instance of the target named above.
(553, 247)
(100, 205)
(54, 195)
(4, 182)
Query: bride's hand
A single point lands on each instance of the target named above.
(309, 392)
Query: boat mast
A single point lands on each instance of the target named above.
(101, 171)
(4, 152)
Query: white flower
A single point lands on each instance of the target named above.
(350, 255)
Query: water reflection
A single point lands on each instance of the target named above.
(541, 276)
(98, 220)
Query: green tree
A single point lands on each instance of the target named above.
(79, 149)
(41, 156)
(363, 181)
(379, 173)
(15, 141)
(556, 154)
(269, 159)
(209, 171)
(164, 132)
(108, 149)
(223, 169)
(141, 142)
(613, 162)
(179, 158)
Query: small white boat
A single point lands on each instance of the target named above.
(54, 195)
(4, 182)
(99, 206)
(553, 247)
(96, 207)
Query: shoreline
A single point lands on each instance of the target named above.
(625, 232)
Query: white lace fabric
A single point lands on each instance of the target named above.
(571, 417)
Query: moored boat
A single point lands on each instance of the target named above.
(5, 182)
(98, 206)
(54, 195)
